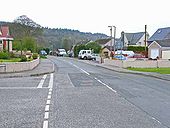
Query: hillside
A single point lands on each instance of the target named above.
(56, 37)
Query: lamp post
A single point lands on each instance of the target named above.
(113, 38)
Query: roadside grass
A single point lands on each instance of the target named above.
(157, 70)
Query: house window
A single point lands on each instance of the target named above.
(0, 41)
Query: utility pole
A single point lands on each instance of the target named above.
(111, 38)
(114, 38)
(145, 36)
(111, 45)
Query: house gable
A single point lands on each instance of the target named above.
(135, 39)
(154, 43)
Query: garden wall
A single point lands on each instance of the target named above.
(18, 66)
(138, 63)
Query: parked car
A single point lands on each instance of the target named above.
(137, 56)
(125, 53)
(85, 54)
(120, 57)
(43, 52)
(62, 52)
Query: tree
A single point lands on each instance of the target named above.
(29, 44)
(93, 46)
(77, 48)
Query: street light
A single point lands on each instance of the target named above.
(113, 37)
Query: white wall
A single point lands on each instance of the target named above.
(18, 66)
(138, 63)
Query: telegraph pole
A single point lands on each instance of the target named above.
(112, 38)
(145, 36)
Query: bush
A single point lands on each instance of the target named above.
(23, 58)
(136, 48)
(4, 55)
(35, 56)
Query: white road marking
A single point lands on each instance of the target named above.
(47, 108)
(45, 124)
(106, 85)
(49, 97)
(49, 93)
(84, 71)
(51, 80)
(46, 116)
(156, 120)
(48, 102)
(42, 81)
(50, 89)
(79, 68)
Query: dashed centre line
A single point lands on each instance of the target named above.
(47, 107)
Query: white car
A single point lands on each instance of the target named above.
(62, 52)
(85, 54)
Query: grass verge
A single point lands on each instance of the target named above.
(157, 70)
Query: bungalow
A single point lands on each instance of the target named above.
(159, 44)
(159, 49)
(5, 39)
(135, 39)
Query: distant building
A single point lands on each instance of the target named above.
(5, 39)
(135, 39)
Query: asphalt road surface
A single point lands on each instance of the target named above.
(79, 95)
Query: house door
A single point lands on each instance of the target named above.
(154, 53)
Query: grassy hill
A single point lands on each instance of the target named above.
(47, 37)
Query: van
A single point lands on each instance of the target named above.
(85, 54)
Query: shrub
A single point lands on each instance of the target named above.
(4, 55)
(136, 48)
(35, 56)
(23, 58)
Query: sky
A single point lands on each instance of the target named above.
(91, 15)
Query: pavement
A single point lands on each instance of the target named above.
(46, 66)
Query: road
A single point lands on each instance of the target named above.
(79, 95)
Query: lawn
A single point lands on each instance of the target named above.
(10, 60)
(157, 70)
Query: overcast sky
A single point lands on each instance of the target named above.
(91, 15)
